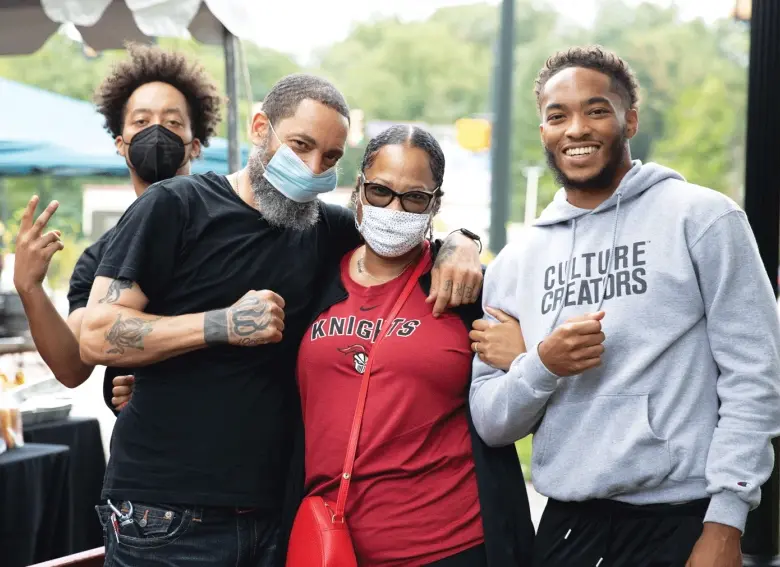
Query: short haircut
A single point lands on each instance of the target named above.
(284, 97)
(149, 64)
(595, 57)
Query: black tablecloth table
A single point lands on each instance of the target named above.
(87, 468)
(34, 502)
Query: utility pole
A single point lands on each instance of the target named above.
(501, 146)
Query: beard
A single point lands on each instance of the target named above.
(278, 210)
(602, 179)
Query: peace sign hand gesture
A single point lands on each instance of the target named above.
(34, 248)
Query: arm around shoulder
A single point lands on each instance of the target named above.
(506, 406)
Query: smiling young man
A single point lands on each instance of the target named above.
(200, 455)
(652, 380)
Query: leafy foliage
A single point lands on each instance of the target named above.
(693, 79)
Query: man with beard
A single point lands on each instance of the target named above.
(160, 108)
(200, 454)
(651, 381)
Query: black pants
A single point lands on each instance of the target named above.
(473, 557)
(606, 533)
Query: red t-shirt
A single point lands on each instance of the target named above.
(413, 497)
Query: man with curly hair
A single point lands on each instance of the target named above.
(160, 108)
(652, 377)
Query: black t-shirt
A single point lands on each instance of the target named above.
(211, 427)
(84, 272)
(78, 295)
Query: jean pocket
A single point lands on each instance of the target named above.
(153, 526)
(104, 515)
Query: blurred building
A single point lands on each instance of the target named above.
(102, 207)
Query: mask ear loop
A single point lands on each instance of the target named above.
(358, 200)
(430, 215)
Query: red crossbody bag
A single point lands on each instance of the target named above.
(320, 535)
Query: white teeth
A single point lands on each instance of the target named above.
(581, 151)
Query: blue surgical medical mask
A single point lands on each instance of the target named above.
(293, 178)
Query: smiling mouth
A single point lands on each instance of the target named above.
(583, 151)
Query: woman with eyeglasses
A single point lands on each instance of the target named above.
(425, 490)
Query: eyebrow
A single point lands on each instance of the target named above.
(380, 181)
(305, 137)
(337, 152)
(597, 100)
(590, 101)
(150, 111)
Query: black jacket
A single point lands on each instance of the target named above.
(506, 514)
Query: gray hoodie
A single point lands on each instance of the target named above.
(687, 396)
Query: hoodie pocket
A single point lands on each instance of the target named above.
(599, 448)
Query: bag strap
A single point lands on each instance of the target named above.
(357, 422)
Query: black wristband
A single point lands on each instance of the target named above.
(467, 233)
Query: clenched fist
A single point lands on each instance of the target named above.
(255, 319)
(575, 346)
(122, 391)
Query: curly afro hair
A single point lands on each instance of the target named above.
(148, 64)
(595, 57)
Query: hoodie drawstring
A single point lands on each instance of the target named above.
(611, 256)
(610, 261)
(568, 274)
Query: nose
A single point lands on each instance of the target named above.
(395, 204)
(578, 127)
(316, 162)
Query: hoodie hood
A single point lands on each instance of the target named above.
(639, 179)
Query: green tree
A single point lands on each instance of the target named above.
(416, 71)
(705, 136)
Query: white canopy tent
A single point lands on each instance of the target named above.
(107, 24)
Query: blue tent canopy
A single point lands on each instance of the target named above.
(44, 132)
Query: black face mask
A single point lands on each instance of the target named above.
(156, 153)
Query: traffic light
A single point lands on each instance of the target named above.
(473, 133)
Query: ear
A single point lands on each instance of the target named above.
(632, 122)
(195, 149)
(358, 209)
(121, 147)
(260, 128)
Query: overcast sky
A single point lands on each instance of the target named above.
(326, 22)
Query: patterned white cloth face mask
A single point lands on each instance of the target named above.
(391, 233)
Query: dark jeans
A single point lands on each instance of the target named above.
(612, 534)
(178, 536)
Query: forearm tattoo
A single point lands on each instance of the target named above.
(238, 324)
(115, 290)
(215, 330)
(128, 333)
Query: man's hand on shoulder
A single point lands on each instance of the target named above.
(255, 319)
(456, 277)
(718, 546)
